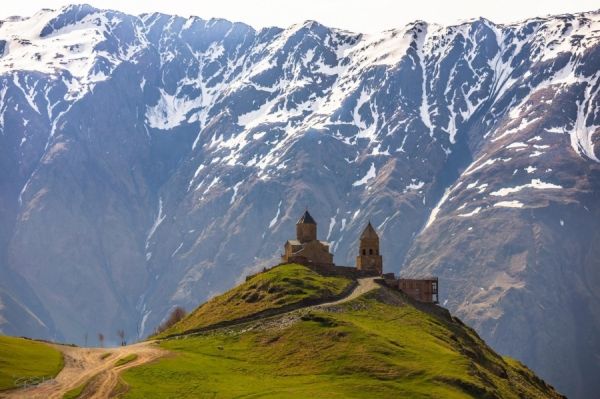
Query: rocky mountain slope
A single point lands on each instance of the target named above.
(150, 161)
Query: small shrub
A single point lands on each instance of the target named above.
(274, 288)
(254, 297)
(176, 315)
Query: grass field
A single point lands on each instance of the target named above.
(372, 347)
(126, 359)
(23, 359)
(278, 287)
(76, 392)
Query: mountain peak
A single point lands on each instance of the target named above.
(67, 15)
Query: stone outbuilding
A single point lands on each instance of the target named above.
(421, 289)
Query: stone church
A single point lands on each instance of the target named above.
(307, 250)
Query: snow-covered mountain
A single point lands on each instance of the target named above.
(149, 161)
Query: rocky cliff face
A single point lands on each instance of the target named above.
(148, 161)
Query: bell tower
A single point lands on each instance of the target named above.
(368, 258)
(306, 228)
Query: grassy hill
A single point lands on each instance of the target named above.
(277, 288)
(379, 345)
(23, 360)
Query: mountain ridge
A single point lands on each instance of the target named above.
(156, 160)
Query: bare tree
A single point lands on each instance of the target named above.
(85, 337)
(121, 335)
(101, 339)
(177, 314)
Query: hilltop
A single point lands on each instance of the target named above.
(376, 345)
(278, 289)
(289, 332)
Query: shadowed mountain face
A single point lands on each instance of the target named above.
(150, 161)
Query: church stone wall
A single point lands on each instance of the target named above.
(306, 232)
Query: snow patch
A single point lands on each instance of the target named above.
(235, 191)
(177, 250)
(331, 226)
(557, 130)
(472, 168)
(509, 204)
(535, 184)
(472, 185)
(371, 173)
(214, 181)
(274, 220)
(473, 212)
(535, 154)
(414, 186)
(516, 145)
(436, 210)
(143, 323)
(157, 221)
(523, 124)
(170, 110)
(581, 133)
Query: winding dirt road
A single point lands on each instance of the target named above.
(96, 366)
(364, 285)
(93, 365)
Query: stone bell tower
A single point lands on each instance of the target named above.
(306, 228)
(368, 258)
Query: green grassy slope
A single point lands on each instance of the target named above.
(280, 286)
(380, 345)
(126, 359)
(23, 359)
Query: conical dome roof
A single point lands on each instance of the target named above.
(369, 232)
(306, 219)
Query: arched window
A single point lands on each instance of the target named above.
(376, 252)
(370, 251)
(364, 251)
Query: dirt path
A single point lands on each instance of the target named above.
(364, 285)
(83, 365)
(86, 364)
